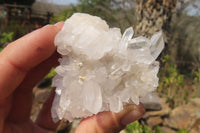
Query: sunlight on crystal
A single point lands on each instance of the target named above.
(100, 68)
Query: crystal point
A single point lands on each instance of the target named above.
(157, 44)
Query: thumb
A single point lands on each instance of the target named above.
(109, 122)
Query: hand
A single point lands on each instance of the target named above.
(23, 63)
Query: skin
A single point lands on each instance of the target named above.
(23, 63)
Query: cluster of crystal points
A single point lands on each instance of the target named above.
(101, 69)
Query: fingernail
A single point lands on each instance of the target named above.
(131, 117)
(50, 26)
(59, 25)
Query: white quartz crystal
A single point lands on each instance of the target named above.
(100, 68)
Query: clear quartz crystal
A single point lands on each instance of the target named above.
(100, 68)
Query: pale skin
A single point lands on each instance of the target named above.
(23, 63)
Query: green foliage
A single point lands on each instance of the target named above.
(6, 37)
(184, 54)
(182, 131)
(64, 15)
(134, 127)
(12, 31)
(158, 129)
(186, 96)
(51, 74)
(19, 30)
(196, 75)
(172, 77)
(170, 74)
(196, 82)
(172, 83)
(147, 129)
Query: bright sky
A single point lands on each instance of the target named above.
(61, 2)
(193, 11)
(64, 2)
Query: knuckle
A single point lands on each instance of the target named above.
(108, 122)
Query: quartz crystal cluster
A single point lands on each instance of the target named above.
(100, 68)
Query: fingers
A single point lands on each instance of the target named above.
(23, 54)
(22, 97)
(108, 122)
(44, 119)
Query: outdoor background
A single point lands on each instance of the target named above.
(179, 85)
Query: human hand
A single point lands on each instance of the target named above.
(23, 63)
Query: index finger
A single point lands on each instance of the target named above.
(23, 54)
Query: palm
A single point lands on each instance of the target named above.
(17, 119)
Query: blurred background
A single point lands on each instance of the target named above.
(179, 85)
